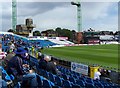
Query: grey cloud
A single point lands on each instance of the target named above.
(53, 14)
(34, 8)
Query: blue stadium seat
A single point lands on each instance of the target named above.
(12, 77)
(71, 79)
(75, 76)
(51, 77)
(47, 84)
(18, 85)
(98, 85)
(78, 74)
(5, 76)
(90, 85)
(96, 81)
(67, 84)
(76, 86)
(80, 82)
(82, 78)
(64, 76)
(105, 84)
(45, 74)
(89, 81)
(58, 81)
(39, 80)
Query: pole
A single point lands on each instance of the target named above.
(14, 15)
(79, 17)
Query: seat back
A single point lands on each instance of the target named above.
(66, 84)
(76, 86)
(90, 85)
(99, 85)
(39, 80)
(71, 79)
(5, 76)
(58, 81)
(45, 74)
(51, 77)
(65, 77)
(80, 82)
(46, 84)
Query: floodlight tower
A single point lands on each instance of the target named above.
(79, 35)
(79, 16)
(14, 15)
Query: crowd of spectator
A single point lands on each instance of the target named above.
(17, 61)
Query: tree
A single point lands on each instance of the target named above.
(73, 35)
(61, 33)
(111, 33)
(58, 31)
(10, 30)
(36, 33)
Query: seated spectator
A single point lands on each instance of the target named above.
(29, 80)
(15, 64)
(26, 57)
(43, 63)
(48, 65)
(97, 75)
(51, 67)
(11, 46)
(10, 54)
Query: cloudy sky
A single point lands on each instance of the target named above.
(50, 15)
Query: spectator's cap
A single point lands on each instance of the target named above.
(47, 58)
(20, 50)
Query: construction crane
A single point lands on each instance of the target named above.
(79, 16)
(14, 15)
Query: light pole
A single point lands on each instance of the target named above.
(79, 17)
(14, 15)
(79, 35)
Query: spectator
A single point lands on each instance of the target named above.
(40, 56)
(48, 65)
(51, 67)
(26, 57)
(12, 46)
(97, 75)
(10, 55)
(15, 64)
(29, 80)
(43, 63)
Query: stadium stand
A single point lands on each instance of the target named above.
(67, 78)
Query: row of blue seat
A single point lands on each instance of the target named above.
(78, 77)
(73, 77)
(70, 82)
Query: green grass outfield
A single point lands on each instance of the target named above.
(104, 55)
